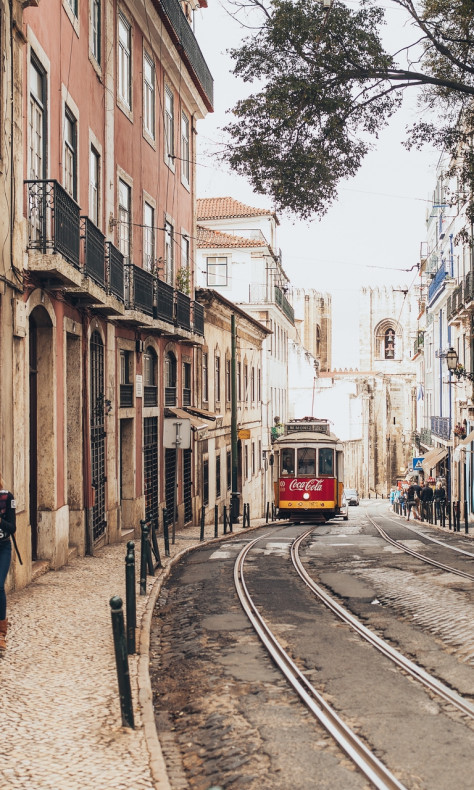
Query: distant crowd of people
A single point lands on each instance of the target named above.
(417, 499)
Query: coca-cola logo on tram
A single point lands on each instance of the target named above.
(296, 487)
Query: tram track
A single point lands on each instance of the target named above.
(436, 686)
(357, 751)
(402, 547)
(429, 537)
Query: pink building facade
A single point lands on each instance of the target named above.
(105, 327)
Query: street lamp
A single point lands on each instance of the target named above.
(454, 366)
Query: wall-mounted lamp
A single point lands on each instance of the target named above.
(455, 367)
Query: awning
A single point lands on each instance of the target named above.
(469, 438)
(208, 415)
(196, 423)
(433, 458)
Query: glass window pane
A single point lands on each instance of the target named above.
(306, 461)
(326, 461)
(287, 461)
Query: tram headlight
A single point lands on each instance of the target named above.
(306, 495)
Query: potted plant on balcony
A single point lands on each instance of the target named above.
(460, 430)
(182, 280)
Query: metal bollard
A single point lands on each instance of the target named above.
(225, 520)
(448, 508)
(267, 513)
(443, 513)
(201, 535)
(466, 523)
(121, 660)
(130, 596)
(166, 533)
(458, 515)
(230, 522)
(247, 515)
(143, 555)
(216, 521)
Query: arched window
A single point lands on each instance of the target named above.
(387, 340)
(318, 340)
(389, 347)
(170, 379)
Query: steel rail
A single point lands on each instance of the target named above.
(390, 652)
(429, 537)
(367, 762)
(417, 554)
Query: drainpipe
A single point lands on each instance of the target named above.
(234, 498)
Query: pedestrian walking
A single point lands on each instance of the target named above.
(411, 494)
(7, 529)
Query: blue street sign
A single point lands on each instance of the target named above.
(418, 463)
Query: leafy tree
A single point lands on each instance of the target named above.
(327, 86)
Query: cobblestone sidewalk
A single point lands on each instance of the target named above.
(60, 712)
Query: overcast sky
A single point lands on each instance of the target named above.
(374, 229)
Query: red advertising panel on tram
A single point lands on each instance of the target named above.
(304, 490)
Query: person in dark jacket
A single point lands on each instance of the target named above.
(426, 497)
(439, 499)
(7, 529)
(411, 505)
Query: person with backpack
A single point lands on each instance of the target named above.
(7, 530)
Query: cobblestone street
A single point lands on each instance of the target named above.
(60, 705)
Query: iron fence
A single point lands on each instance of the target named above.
(53, 220)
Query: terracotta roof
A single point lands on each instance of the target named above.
(206, 237)
(227, 207)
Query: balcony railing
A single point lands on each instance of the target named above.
(283, 302)
(198, 315)
(126, 396)
(183, 310)
(53, 220)
(469, 287)
(437, 282)
(164, 301)
(115, 271)
(425, 437)
(441, 426)
(170, 396)
(143, 289)
(188, 45)
(93, 252)
(419, 342)
(150, 395)
(186, 396)
(457, 301)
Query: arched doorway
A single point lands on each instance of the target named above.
(42, 450)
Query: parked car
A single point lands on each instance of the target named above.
(344, 509)
(352, 496)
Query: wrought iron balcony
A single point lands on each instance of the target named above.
(425, 437)
(198, 315)
(183, 310)
(186, 396)
(419, 342)
(283, 302)
(441, 426)
(150, 395)
(170, 396)
(469, 287)
(126, 396)
(115, 271)
(93, 252)
(164, 301)
(437, 283)
(53, 220)
(142, 290)
(181, 32)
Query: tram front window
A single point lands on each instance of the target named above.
(288, 462)
(326, 461)
(307, 461)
